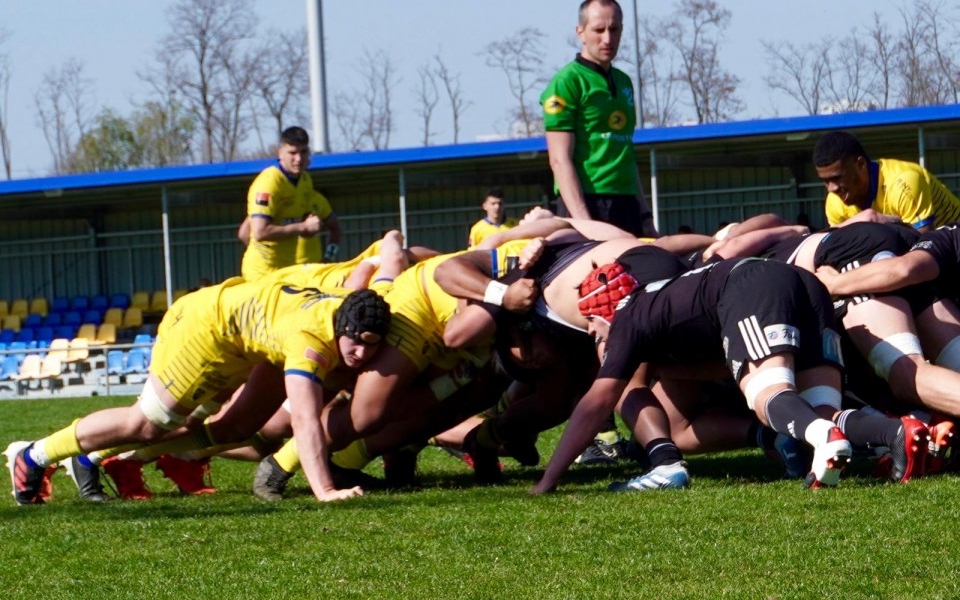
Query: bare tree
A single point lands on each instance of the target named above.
(696, 31)
(6, 72)
(62, 110)
(280, 88)
(920, 82)
(882, 55)
(427, 96)
(201, 58)
(520, 57)
(850, 77)
(348, 120)
(379, 79)
(165, 130)
(451, 86)
(799, 72)
(658, 85)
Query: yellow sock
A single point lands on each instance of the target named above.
(99, 456)
(196, 440)
(354, 456)
(61, 444)
(287, 457)
(608, 437)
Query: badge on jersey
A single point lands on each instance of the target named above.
(314, 356)
(262, 199)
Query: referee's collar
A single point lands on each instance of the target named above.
(607, 73)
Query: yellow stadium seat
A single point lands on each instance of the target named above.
(4, 308)
(133, 317)
(51, 367)
(60, 348)
(30, 367)
(88, 331)
(158, 302)
(39, 306)
(177, 294)
(106, 334)
(12, 322)
(140, 300)
(114, 316)
(20, 307)
(79, 350)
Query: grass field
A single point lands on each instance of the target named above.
(739, 532)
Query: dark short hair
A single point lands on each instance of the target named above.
(586, 4)
(834, 146)
(496, 192)
(295, 136)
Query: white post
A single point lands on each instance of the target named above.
(318, 78)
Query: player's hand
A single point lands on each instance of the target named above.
(827, 276)
(531, 253)
(520, 295)
(310, 226)
(334, 495)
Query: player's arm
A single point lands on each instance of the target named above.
(560, 153)
(469, 276)
(243, 232)
(913, 201)
(526, 230)
(869, 216)
(587, 419)
(881, 276)
(754, 242)
(262, 229)
(306, 401)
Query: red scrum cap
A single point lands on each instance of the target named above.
(603, 289)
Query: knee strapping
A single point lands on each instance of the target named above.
(156, 411)
(949, 357)
(892, 349)
(761, 380)
(822, 395)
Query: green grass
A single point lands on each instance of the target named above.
(737, 533)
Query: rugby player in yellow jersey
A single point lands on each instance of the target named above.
(285, 214)
(883, 190)
(208, 344)
(495, 220)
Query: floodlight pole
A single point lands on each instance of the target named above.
(318, 78)
(638, 100)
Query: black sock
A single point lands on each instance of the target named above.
(760, 436)
(790, 414)
(662, 451)
(864, 429)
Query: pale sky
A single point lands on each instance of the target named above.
(116, 38)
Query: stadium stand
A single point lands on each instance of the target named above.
(45, 334)
(7, 336)
(60, 304)
(33, 320)
(158, 302)
(87, 331)
(79, 304)
(53, 319)
(26, 335)
(20, 307)
(106, 334)
(93, 316)
(9, 367)
(4, 308)
(60, 348)
(12, 322)
(65, 331)
(100, 303)
(79, 350)
(114, 315)
(73, 318)
(132, 318)
(141, 300)
(137, 361)
(115, 362)
(39, 306)
(121, 301)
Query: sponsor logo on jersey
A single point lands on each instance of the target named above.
(782, 334)
(263, 199)
(315, 357)
(554, 105)
(617, 120)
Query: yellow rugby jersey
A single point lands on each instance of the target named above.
(324, 275)
(906, 190)
(274, 197)
(483, 228)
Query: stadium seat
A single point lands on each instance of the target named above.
(137, 361)
(158, 301)
(20, 307)
(50, 368)
(140, 300)
(33, 320)
(73, 318)
(180, 293)
(60, 348)
(39, 306)
(26, 335)
(114, 315)
(9, 367)
(20, 348)
(115, 362)
(132, 318)
(100, 303)
(4, 308)
(53, 320)
(79, 304)
(7, 336)
(146, 341)
(44, 334)
(121, 301)
(65, 331)
(93, 316)
(60, 304)
(107, 334)
(87, 331)
(30, 367)
(12, 322)
(79, 350)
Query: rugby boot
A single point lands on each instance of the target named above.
(940, 448)
(191, 476)
(909, 450)
(27, 481)
(86, 478)
(270, 481)
(486, 461)
(127, 475)
(830, 458)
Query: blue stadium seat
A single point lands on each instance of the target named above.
(26, 335)
(61, 304)
(73, 318)
(100, 302)
(93, 316)
(9, 367)
(45, 334)
(120, 301)
(7, 336)
(67, 332)
(53, 319)
(144, 338)
(33, 320)
(79, 303)
(115, 362)
(137, 361)
(21, 350)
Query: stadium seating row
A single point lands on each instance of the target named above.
(147, 302)
(128, 318)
